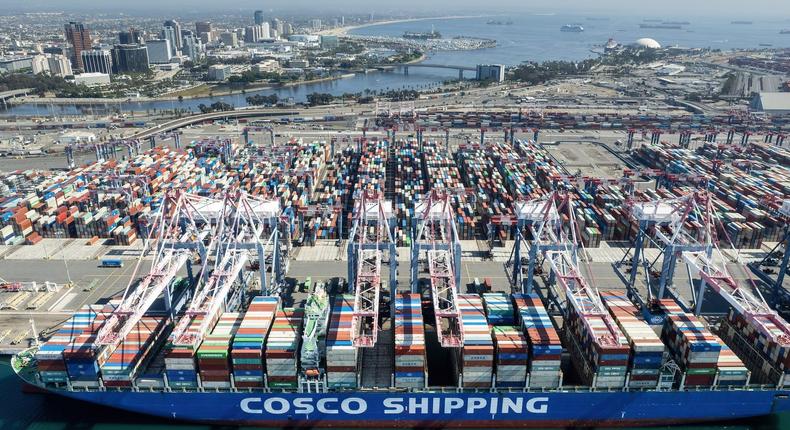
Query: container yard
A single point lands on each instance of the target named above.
(273, 278)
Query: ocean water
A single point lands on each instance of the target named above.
(530, 38)
(23, 411)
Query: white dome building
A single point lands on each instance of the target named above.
(646, 42)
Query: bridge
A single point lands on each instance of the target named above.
(406, 66)
(6, 95)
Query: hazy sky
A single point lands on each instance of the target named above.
(774, 9)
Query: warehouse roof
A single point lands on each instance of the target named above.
(772, 102)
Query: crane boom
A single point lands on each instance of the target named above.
(180, 227)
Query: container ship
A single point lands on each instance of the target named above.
(662, 26)
(217, 331)
(572, 28)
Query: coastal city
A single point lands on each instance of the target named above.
(283, 216)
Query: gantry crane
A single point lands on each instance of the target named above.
(372, 234)
(434, 232)
(316, 321)
(244, 225)
(660, 223)
(539, 229)
(778, 257)
(180, 229)
(710, 266)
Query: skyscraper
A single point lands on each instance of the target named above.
(133, 36)
(258, 17)
(130, 59)
(97, 61)
(202, 27)
(80, 39)
(173, 29)
(159, 51)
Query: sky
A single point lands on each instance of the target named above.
(774, 9)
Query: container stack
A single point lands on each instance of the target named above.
(477, 354)
(691, 345)
(214, 353)
(123, 365)
(599, 350)
(442, 173)
(511, 356)
(51, 366)
(545, 348)
(647, 350)
(762, 333)
(341, 355)
(247, 348)
(731, 370)
(282, 348)
(499, 309)
(82, 356)
(410, 363)
(180, 360)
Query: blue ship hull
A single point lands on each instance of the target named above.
(492, 410)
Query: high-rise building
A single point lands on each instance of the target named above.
(79, 37)
(258, 17)
(171, 23)
(202, 27)
(169, 34)
(192, 45)
(229, 39)
(266, 31)
(159, 51)
(315, 24)
(130, 59)
(252, 34)
(491, 72)
(342, 21)
(97, 61)
(288, 29)
(40, 65)
(131, 37)
(59, 65)
(277, 25)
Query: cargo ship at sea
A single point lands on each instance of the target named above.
(662, 26)
(227, 326)
(572, 28)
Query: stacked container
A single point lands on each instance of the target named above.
(768, 341)
(213, 354)
(731, 371)
(247, 349)
(180, 364)
(51, 365)
(82, 356)
(410, 364)
(511, 356)
(477, 354)
(599, 350)
(691, 344)
(122, 366)
(341, 355)
(545, 348)
(282, 347)
(499, 309)
(647, 350)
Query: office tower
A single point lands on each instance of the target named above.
(258, 17)
(130, 59)
(203, 27)
(97, 61)
(131, 37)
(79, 37)
(159, 51)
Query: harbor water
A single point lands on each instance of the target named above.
(531, 37)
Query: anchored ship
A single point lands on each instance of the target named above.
(572, 28)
